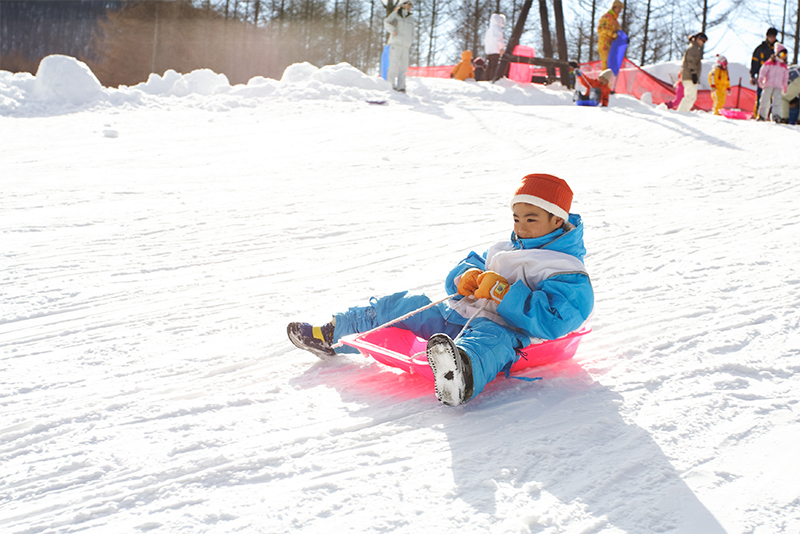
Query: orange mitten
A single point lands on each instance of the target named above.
(491, 286)
(469, 282)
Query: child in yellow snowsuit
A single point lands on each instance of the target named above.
(607, 30)
(464, 69)
(720, 83)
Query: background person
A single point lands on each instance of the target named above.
(601, 83)
(773, 79)
(607, 30)
(400, 25)
(761, 54)
(792, 91)
(493, 43)
(464, 69)
(691, 67)
(720, 83)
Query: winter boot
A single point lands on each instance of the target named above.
(452, 370)
(315, 339)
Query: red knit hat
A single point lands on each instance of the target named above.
(549, 192)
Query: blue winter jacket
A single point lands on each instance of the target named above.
(559, 303)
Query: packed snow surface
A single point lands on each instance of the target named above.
(157, 239)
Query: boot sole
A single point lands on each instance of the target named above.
(448, 370)
(323, 353)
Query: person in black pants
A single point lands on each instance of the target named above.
(762, 53)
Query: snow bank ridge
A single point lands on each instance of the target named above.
(63, 85)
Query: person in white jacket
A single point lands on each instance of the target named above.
(493, 43)
(400, 25)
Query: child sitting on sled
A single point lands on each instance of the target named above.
(601, 84)
(464, 70)
(533, 286)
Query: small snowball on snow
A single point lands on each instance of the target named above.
(298, 72)
(647, 98)
(64, 79)
(112, 134)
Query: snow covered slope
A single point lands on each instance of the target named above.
(157, 239)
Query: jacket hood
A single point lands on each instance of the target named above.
(615, 3)
(497, 20)
(466, 56)
(567, 239)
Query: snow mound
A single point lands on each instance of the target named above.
(201, 82)
(62, 79)
(346, 75)
(299, 72)
(157, 85)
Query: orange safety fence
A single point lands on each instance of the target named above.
(631, 80)
(430, 72)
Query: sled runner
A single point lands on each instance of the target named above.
(385, 62)
(400, 348)
(592, 100)
(617, 53)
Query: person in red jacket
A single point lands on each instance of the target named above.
(602, 83)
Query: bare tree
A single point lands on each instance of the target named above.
(470, 18)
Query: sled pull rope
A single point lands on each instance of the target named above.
(403, 318)
(464, 329)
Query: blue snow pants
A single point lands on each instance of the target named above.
(491, 348)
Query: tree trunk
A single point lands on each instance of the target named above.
(558, 11)
(473, 37)
(514, 40)
(705, 16)
(431, 38)
(155, 42)
(591, 34)
(624, 24)
(646, 29)
(796, 32)
(547, 43)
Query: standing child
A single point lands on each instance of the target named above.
(480, 67)
(773, 77)
(720, 83)
(675, 102)
(533, 285)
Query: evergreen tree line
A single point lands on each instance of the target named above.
(30, 30)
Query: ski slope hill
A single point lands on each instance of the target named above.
(157, 240)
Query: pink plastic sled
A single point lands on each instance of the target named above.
(402, 349)
(736, 114)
